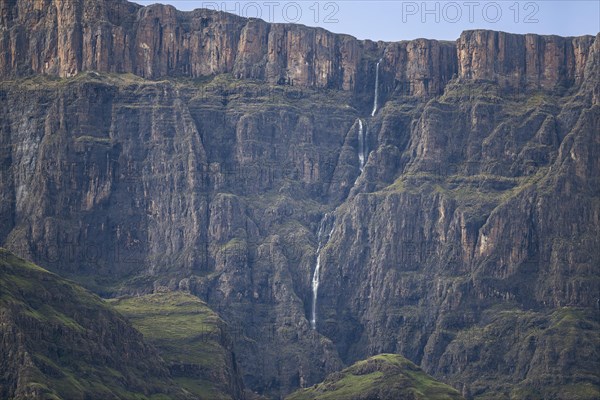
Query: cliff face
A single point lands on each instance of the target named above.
(480, 250)
(475, 218)
(523, 61)
(131, 186)
(62, 38)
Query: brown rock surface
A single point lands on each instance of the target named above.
(63, 38)
(523, 61)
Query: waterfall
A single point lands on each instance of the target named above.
(363, 150)
(376, 99)
(322, 241)
(324, 233)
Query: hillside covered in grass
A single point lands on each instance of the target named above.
(192, 340)
(382, 377)
(59, 341)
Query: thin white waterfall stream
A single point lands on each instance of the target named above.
(322, 241)
(376, 99)
(324, 232)
(362, 146)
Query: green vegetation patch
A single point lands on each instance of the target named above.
(71, 344)
(385, 376)
(188, 335)
(92, 139)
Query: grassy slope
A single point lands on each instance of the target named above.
(385, 376)
(62, 342)
(188, 336)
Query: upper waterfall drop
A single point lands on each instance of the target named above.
(322, 241)
(376, 99)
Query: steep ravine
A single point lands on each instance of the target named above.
(467, 242)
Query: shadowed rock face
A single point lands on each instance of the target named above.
(475, 219)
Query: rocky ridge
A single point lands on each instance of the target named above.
(192, 340)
